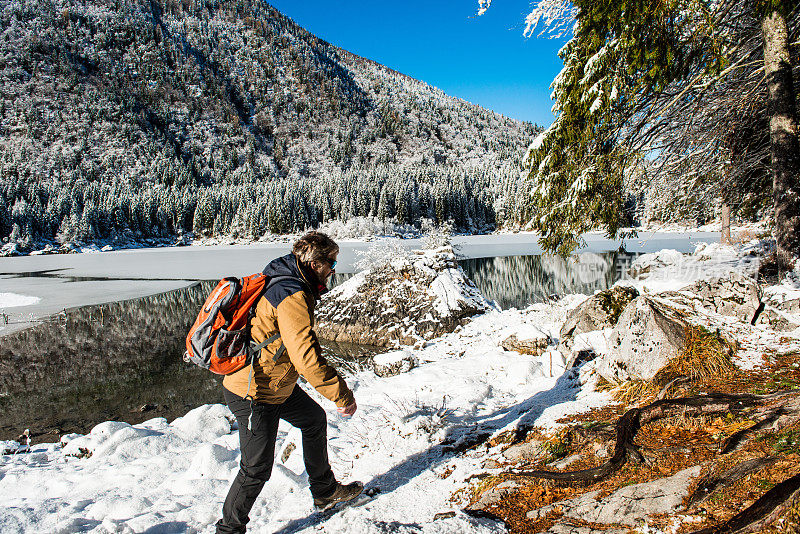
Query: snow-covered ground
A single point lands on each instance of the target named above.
(12, 300)
(172, 477)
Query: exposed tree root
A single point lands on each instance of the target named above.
(762, 513)
(775, 417)
(629, 424)
(712, 482)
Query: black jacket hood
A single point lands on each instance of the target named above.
(305, 278)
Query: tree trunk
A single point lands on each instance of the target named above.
(725, 238)
(785, 153)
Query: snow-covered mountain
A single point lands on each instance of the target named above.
(132, 118)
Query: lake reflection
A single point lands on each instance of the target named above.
(517, 281)
(120, 361)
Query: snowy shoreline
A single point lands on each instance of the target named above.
(411, 438)
(65, 281)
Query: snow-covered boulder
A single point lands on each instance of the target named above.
(11, 447)
(646, 263)
(110, 438)
(781, 305)
(599, 312)
(124, 441)
(789, 306)
(533, 346)
(647, 336)
(204, 423)
(734, 294)
(777, 319)
(393, 363)
(413, 297)
(716, 251)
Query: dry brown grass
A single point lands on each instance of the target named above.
(706, 355)
(635, 392)
(604, 385)
(745, 236)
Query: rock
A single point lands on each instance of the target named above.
(735, 295)
(540, 513)
(563, 463)
(647, 336)
(534, 346)
(644, 264)
(408, 299)
(789, 306)
(443, 515)
(562, 528)
(523, 452)
(584, 347)
(600, 311)
(393, 363)
(629, 505)
(8, 447)
(491, 463)
(776, 320)
(494, 495)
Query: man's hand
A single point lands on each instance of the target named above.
(348, 410)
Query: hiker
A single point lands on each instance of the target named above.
(262, 394)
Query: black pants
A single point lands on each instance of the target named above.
(258, 450)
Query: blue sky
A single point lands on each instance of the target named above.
(485, 60)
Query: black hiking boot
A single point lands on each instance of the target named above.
(342, 493)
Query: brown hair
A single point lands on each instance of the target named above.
(314, 246)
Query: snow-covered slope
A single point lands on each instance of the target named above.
(135, 119)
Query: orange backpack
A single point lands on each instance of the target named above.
(220, 340)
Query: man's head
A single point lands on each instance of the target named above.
(318, 252)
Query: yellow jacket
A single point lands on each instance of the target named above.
(288, 307)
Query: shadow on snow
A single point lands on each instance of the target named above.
(468, 431)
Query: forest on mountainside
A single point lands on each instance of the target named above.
(122, 120)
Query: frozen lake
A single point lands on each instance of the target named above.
(65, 281)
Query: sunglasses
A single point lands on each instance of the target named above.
(331, 263)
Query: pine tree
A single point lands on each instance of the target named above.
(637, 78)
(5, 219)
